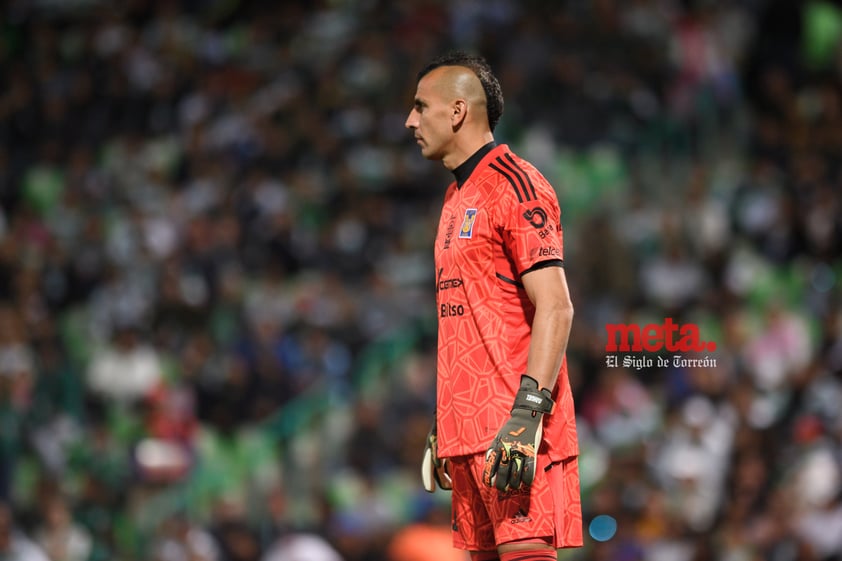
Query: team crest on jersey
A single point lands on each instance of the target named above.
(467, 229)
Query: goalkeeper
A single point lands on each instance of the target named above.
(504, 438)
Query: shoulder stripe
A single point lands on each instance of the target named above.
(510, 180)
(526, 175)
(519, 178)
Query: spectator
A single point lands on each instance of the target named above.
(62, 538)
(126, 370)
(180, 539)
(15, 544)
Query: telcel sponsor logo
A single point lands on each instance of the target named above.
(549, 252)
(654, 338)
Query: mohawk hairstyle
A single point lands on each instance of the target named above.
(479, 66)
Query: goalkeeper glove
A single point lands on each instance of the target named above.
(510, 460)
(434, 469)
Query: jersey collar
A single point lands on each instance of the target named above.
(464, 170)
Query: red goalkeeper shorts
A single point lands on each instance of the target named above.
(484, 517)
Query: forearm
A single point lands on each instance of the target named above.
(550, 333)
(510, 462)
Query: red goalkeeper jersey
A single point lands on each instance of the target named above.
(499, 220)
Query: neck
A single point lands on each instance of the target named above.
(465, 149)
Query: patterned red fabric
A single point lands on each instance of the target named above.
(501, 222)
(484, 517)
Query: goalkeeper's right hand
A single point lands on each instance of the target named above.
(434, 470)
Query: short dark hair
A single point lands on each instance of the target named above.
(479, 66)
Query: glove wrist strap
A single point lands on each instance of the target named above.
(530, 398)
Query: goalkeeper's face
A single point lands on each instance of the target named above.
(431, 118)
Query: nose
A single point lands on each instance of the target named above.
(411, 120)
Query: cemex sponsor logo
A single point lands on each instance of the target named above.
(654, 338)
(446, 284)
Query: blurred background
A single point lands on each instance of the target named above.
(217, 318)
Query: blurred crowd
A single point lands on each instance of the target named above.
(217, 323)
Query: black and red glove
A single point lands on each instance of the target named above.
(434, 470)
(510, 460)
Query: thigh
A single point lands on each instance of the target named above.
(550, 509)
(472, 527)
(567, 497)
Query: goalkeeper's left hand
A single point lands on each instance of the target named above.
(510, 460)
(434, 470)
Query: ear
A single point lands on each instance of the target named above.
(459, 114)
